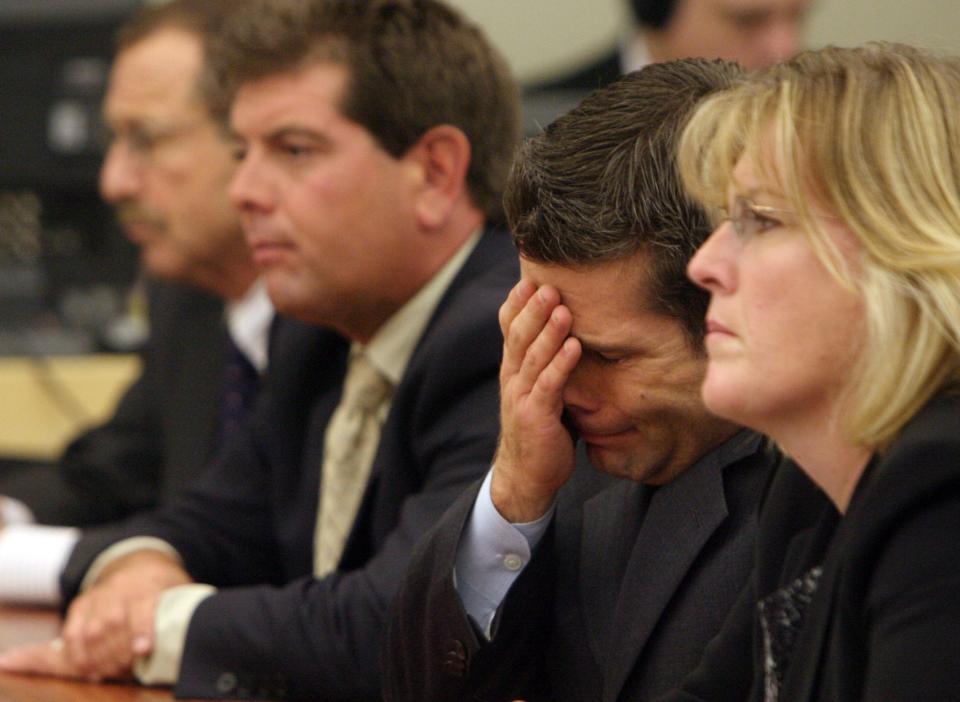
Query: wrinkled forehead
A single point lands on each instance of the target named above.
(616, 288)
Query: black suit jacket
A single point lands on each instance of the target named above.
(883, 622)
(617, 603)
(248, 524)
(162, 433)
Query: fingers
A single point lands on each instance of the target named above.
(515, 301)
(513, 347)
(112, 624)
(142, 618)
(535, 334)
(98, 637)
(547, 363)
(535, 454)
(39, 659)
(547, 392)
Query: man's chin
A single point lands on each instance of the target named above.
(607, 460)
(160, 264)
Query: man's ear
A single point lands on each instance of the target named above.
(442, 156)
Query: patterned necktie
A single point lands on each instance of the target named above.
(350, 444)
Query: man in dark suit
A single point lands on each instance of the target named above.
(166, 171)
(373, 139)
(541, 584)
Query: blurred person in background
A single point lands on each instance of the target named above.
(753, 33)
(167, 171)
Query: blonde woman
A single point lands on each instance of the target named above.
(834, 327)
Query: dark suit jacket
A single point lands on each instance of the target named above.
(883, 621)
(617, 603)
(161, 434)
(248, 524)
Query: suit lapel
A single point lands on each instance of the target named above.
(680, 519)
(611, 519)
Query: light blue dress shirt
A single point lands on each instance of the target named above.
(491, 555)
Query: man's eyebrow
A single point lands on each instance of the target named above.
(298, 132)
(282, 133)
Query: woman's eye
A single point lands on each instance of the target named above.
(752, 222)
(761, 222)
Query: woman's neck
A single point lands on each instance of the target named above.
(832, 461)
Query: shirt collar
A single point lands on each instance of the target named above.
(634, 52)
(248, 323)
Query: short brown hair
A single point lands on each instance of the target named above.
(412, 65)
(600, 183)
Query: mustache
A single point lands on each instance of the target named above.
(131, 214)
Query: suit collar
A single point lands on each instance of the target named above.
(249, 322)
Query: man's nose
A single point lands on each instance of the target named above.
(121, 176)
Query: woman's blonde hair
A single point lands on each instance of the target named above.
(870, 135)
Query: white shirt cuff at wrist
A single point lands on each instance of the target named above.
(31, 560)
(175, 608)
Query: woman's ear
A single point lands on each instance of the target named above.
(442, 155)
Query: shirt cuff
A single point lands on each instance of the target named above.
(31, 560)
(175, 608)
(491, 555)
(125, 548)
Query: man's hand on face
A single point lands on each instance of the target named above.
(109, 626)
(536, 451)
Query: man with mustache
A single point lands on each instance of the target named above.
(166, 171)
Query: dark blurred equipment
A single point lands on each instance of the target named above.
(64, 265)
